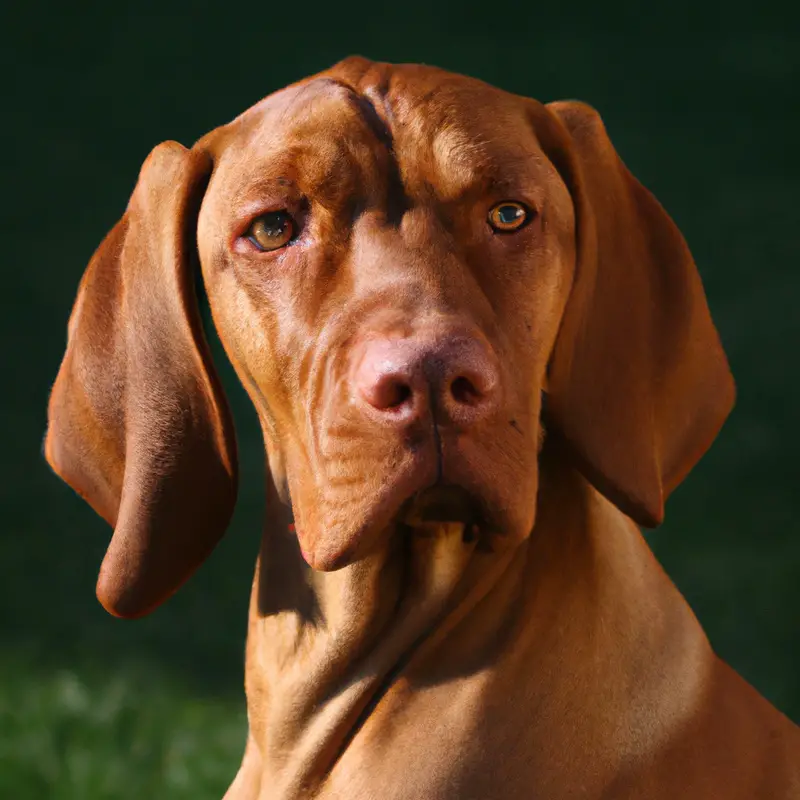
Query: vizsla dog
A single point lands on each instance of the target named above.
(481, 355)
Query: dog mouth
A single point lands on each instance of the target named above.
(421, 503)
(443, 505)
(439, 510)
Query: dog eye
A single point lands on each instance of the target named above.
(271, 231)
(508, 216)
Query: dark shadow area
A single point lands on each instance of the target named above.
(703, 108)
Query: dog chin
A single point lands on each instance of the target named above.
(329, 559)
(335, 549)
(325, 558)
(439, 511)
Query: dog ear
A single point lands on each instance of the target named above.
(638, 383)
(138, 422)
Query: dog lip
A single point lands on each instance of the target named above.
(442, 503)
(337, 548)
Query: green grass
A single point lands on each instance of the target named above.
(77, 732)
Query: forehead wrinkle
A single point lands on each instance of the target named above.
(462, 156)
(371, 107)
(318, 135)
(291, 109)
(462, 160)
(363, 108)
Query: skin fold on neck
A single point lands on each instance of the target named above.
(333, 655)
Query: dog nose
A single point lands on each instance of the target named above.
(401, 380)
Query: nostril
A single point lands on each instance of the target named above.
(394, 394)
(471, 393)
(464, 391)
(388, 391)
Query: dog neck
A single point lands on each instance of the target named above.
(325, 650)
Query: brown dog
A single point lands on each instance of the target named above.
(402, 264)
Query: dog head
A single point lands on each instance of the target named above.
(400, 262)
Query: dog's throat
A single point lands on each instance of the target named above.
(374, 617)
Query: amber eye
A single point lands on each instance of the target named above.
(508, 216)
(271, 231)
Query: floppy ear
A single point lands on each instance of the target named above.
(138, 423)
(638, 383)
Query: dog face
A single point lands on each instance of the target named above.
(394, 336)
(399, 262)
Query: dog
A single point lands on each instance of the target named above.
(481, 357)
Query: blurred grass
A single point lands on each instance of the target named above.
(76, 733)
(701, 104)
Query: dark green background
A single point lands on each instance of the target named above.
(701, 101)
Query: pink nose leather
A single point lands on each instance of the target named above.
(400, 380)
